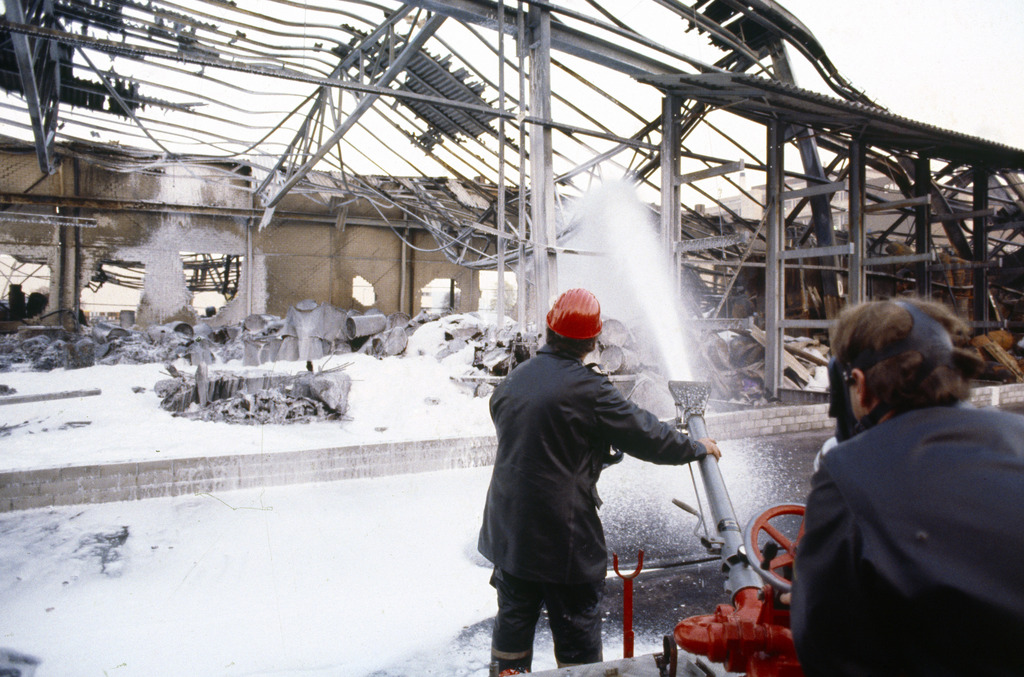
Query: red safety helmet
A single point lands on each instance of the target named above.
(576, 315)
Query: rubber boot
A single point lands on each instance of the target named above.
(505, 667)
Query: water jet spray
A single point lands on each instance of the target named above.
(751, 635)
(613, 222)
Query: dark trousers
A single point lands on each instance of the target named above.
(574, 613)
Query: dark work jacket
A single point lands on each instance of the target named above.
(555, 420)
(912, 560)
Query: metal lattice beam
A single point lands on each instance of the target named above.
(397, 66)
(39, 68)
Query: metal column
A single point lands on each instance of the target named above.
(922, 224)
(821, 204)
(856, 293)
(499, 209)
(671, 203)
(542, 178)
(77, 282)
(522, 292)
(39, 67)
(773, 284)
(980, 245)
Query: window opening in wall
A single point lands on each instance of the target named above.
(363, 291)
(440, 295)
(212, 278)
(489, 290)
(113, 287)
(24, 288)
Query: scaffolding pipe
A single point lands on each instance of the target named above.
(857, 280)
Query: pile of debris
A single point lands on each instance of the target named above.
(310, 331)
(313, 330)
(44, 348)
(732, 361)
(996, 348)
(734, 364)
(255, 397)
(272, 397)
(495, 351)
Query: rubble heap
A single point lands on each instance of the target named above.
(310, 331)
(732, 361)
(255, 397)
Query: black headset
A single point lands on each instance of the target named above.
(927, 336)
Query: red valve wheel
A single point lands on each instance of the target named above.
(777, 564)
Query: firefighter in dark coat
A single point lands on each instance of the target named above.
(911, 559)
(556, 421)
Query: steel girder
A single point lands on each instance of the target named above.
(39, 64)
(292, 158)
(396, 67)
(563, 38)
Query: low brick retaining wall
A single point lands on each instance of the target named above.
(23, 489)
(71, 485)
(735, 425)
(808, 417)
(997, 396)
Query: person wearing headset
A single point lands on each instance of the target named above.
(911, 558)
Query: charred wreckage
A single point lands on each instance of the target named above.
(453, 135)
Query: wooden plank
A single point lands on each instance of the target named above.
(808, 355)
(42, 397)
(802, 373)
(789, 361)
(1004, 358)
(758, 335)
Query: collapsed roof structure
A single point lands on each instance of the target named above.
(475, 122)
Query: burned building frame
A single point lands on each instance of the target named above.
(400, 142)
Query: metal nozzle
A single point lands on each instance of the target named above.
(691, 397)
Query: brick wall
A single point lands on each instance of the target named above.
(769, 421)
(149, 479)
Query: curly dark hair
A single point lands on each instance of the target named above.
(578, 348)
(895, 381)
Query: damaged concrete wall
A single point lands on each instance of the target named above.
(430, 265)
(320, 262)
(156, 239)
(298, 260)
(310, 250)
(20, 234)
(165, 296)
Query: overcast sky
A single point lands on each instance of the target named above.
(954, 64)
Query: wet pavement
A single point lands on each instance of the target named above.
(680, 578)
